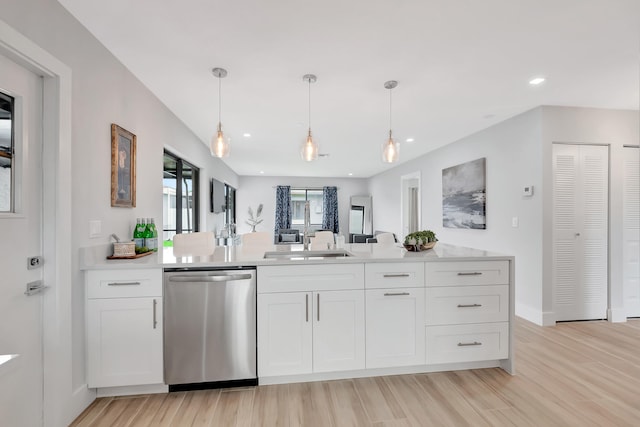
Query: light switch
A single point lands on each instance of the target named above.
(527, 191)
(95, 228)
(514, 222)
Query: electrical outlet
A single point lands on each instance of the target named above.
(514, 222)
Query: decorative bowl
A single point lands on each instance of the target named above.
(418, 248)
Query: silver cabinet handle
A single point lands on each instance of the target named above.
(124, 284)
(318, 298)
(475, 273)
(396, 275)
(469, 305)
(396, 294)
(306, 303)
(468, 344)
(155, 319)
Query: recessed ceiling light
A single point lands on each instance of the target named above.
(246, 135)
(350, 173)
(410, 139)
(536, 81)
(262, 172)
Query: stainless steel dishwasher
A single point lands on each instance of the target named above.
(209, 328)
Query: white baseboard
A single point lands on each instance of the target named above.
(132, 390)
(616, 315)
(548, 318)
(529, 313)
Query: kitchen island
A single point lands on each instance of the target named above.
(380, 310)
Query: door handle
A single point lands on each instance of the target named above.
(209, 278)
(35, 288)
(318, 298)
(306, 303)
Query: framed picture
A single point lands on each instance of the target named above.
(464, 195)
(123, 167)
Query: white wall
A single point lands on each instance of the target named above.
(254, 190)
(614, 128)
(514, 159)
(105, 92)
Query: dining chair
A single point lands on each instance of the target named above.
(201, 243)
(386, 238)
(257, 238)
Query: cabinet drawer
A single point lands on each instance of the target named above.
(124, 283)
(467, 343)
(394, 275)
(467, 273)
(467, 304)
(308, 278)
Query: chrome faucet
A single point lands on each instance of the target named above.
(307, 221)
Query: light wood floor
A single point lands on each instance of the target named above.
(573, 374)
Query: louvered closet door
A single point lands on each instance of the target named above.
(580, 231)
(631, 231)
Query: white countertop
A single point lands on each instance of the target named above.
(94, 258)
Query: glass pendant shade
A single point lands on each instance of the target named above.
(309, 150)
(219, 146)
(390, 150)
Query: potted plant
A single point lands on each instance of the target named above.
(420, 240)
(254, 220)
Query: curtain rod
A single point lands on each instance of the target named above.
(307, 188)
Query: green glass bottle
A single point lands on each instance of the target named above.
(138, 232)
(154, 235)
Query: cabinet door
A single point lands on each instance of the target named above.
(284, 334)
(338, 330)
(395, 327)
(124, 337)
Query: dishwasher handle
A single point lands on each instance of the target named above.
(209, 278)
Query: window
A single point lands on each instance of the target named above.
(6, 153)
(179, 198)
(298, 198)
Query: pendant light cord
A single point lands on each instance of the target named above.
(390, 110)
(309, 104)
(219, 100)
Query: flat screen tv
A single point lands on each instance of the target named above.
(218, 202)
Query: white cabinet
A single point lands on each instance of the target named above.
(124, 327)
(467, 311)
(305, 330)
(395, 304)
(338, 331)
(284, 333)
(395, 327)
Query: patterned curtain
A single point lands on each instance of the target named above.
(330, 209)
(283, 208)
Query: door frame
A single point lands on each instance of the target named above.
(403, 201)
(61, 403)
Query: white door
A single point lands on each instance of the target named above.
(631, 232)
(580, 231)
(395, 334)
(284, 334)
(21, 379)
(338, 330)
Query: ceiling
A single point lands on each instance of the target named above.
(462, 66)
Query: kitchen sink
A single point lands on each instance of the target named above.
(305, 255)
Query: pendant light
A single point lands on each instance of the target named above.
(390, 149)
(309, 151)
(219, 146)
